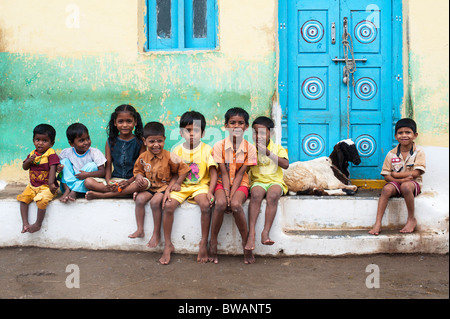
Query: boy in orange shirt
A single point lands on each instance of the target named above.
(234, 155)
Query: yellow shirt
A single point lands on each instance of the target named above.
(267, 171)
(199, 161)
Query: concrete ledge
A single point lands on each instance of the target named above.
(304, 225)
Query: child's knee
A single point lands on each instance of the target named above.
(236, 206)
(89, 182)
(205, 208)
(257, 196)
(155, 204)
(406, 188)
(273, 198)
(141, 199)
(388, 190)
(220, 205)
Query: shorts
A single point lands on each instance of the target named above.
(153, 193)
(113, 180)
(243, 189)
(267, 186)
(41, 195)
(189, 192)
(397, 187)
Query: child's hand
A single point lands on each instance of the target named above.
(176, 187)
(211, 199)
(59, 168)
(111, 186)
(262, 149)
(31, 158)
(82, 175)
(123, 184)
(53, 188)
(141, 182)
(166, 197)
(407, 179)
(228, 210)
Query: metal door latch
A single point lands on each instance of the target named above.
(336, 60)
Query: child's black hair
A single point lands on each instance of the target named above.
(192, 117)
(75, 130)
(236, 111)
(406, 122)
(45, 129)
(154, 129)
(265, 121)
(112, 130)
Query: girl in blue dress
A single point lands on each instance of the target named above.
(123, 147)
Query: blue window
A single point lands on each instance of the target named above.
(180, 24)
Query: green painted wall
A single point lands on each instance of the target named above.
(61, 90)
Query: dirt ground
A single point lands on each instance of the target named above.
(35, 273)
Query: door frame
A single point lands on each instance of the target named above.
(397, 85)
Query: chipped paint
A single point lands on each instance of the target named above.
(428, 41)
(57, 73)
(52, 73)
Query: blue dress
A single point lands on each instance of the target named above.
(124, 154)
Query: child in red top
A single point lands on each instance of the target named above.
(42, 163)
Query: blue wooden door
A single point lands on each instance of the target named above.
(321, 109)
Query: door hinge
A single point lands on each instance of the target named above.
(282, 25)
(398, 18)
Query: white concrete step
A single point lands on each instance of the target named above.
(304, 225)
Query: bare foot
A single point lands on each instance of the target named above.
(202, 256)
(137, 234)
(64, 197)
(248, 257)
(165, 258)
(410, 226)
(68, 196)
(265, 239)
(154, 241)
(93, 195)
(250, 245)
(376, 230)
(213, 252)
(25, 228)
(34, 228)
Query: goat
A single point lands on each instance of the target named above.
(324, 175)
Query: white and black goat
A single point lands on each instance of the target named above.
(324, 175)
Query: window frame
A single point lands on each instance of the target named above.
(181, 27)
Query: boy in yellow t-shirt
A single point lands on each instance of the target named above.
(199, 185)
(266, 179)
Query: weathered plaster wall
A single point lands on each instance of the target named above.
(68, 61)
(428, 37)
(63, 61)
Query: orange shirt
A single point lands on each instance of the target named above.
(159, 169)
(223, 152)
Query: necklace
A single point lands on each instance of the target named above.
(37, 161)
